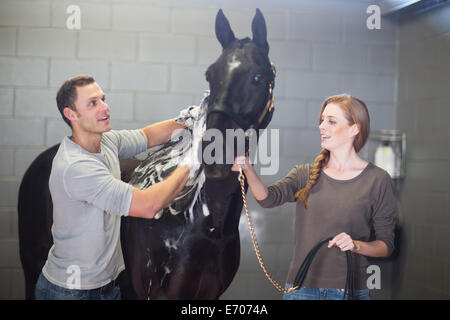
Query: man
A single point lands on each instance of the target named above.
(89, 198)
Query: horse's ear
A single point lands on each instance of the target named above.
(223, 30)
(259, 30)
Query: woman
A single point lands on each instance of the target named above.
(341, 196)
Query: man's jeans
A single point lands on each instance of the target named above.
(45, 290)
(306, 293)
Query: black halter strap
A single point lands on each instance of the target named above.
(262, 119)
(303, 270)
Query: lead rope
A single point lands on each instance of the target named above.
(241, 179)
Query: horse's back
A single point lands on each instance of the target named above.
(35, 218)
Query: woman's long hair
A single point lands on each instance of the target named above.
(355, 112)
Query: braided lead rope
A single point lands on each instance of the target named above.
(241, 179)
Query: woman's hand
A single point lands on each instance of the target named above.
(374, 249)
(343, 241)
(241, 162)
(257, 187)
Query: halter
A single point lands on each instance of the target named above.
(268, 109)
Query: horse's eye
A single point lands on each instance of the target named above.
(257, 78)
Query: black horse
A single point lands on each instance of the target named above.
(195, 255)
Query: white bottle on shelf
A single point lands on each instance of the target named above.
(385, 158)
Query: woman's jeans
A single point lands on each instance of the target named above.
(45, 290)
(306, 293)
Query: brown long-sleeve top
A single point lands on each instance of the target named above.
(358, 206)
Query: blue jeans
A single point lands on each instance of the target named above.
(306, 293)
(45, 290)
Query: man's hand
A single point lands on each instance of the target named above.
(147, 203)
(188, 116)
(190, 160)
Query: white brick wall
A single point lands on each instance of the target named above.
(23, 158)
(107, 45)
(9, 189)
(140, 18)
(45, 42)
(93, 15)
(158, 107)
(36, 103)
(6, 101)
(63, 69)
(290, 113)
(139, 76)
(340, 57)
(208, 50)
(55, 131)
(25, 13)
(150, 59)
(23, 71)
(188, 79)
(317, 27)
(312, 85)
(281, 53)
(382, 58)
(370, 87)
(121, 105)
(167, 49)
(8, 41)
(189, 21)
(355, 31)
(6, 162)
(21, 132)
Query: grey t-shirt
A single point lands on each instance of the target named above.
(88, 200)
(359, 206)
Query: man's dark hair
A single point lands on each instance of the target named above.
(67, 94)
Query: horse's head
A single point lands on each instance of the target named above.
(241, 83)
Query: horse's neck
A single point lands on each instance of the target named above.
(224, 202)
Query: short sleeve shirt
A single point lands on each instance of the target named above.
(88, 201)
